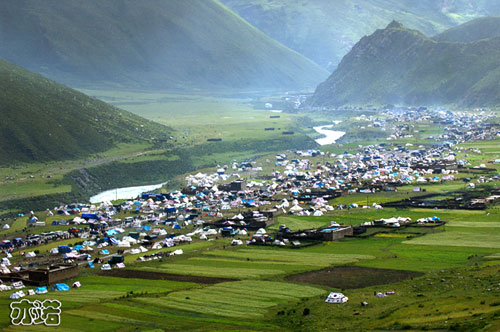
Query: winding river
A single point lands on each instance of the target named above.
(331, 135)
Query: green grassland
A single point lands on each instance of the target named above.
(200, 117)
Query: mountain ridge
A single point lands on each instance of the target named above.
(156, 44)
(402, 66)
(43, 120)
(325, 31)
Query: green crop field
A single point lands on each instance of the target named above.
(460, 239)
(243, 299)
(253, 263)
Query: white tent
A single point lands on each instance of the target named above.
(318, 213)
(336, 298)
(260, 231)
(123, 244)
(5, 287)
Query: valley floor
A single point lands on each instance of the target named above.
(437, 278)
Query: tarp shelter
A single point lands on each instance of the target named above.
(111, 232)
(15, 296)
(41, 290)
(88, 216)
(63, 249)
(60, 287)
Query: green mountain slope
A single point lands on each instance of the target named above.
(42, 120)
(325, 30)
(151, 44)
(481, 28)
(401, 66)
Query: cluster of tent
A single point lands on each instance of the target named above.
(389, 222)
(59, 287)
(433, 219)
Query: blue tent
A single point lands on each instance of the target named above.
(60, 287)
(177, 226)
(104, 252)
(90, 216)
(113, 241)
(91, 265)
(41, 290)
(64, 249)
(146, 228)
(78, 247)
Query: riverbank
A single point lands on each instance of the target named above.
(124, 193)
